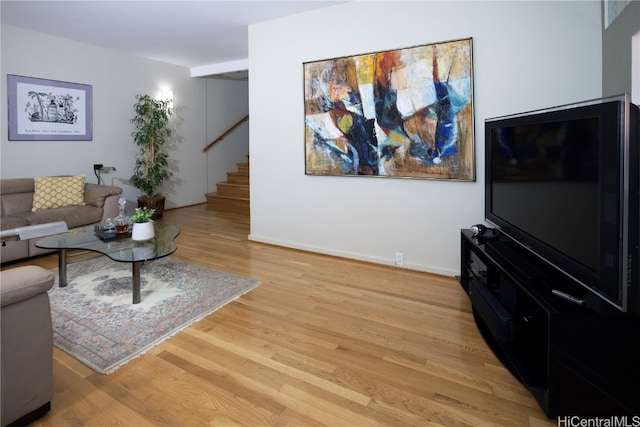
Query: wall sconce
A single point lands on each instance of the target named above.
(166, 94)
(99, 169)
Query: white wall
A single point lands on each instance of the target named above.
(617, 44)
(227, 103)
(526, 55)
(115, 79)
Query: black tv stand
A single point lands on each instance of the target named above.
(574, 358)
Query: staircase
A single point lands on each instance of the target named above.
(233, 195)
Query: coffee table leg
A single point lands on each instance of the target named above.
(62, 268)
(136, 282)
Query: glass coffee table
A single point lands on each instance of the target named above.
(120, 249)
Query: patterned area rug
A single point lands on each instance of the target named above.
(95, 321)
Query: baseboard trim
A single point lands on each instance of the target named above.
(355, 256)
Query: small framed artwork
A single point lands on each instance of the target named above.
(42, 110)
(405, 113)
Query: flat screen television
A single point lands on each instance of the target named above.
(563, 183)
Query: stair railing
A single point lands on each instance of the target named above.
(225, 133)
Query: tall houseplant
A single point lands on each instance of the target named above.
(151, 134)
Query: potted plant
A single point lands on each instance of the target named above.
(142, 220)
(151, 133)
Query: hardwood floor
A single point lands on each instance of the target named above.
(322, 341)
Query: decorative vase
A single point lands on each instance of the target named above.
(143, 231)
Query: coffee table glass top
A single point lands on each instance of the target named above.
(122, 249)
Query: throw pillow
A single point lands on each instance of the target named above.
(58, 191)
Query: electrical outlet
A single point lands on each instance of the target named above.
(399, 258)
(97, 166)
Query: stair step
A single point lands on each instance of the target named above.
(232, 196)
(233, 190)
(227, 204)
(243, 168)
(237, 178)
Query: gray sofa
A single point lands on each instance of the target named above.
(16, 201)
(27, 344)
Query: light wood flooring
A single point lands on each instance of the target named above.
(323, 341)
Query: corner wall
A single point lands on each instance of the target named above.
(227, 103)
(526, 55)
(616, 51)
(116, 78)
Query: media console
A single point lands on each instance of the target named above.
(574, 358)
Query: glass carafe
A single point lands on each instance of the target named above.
(121, 222)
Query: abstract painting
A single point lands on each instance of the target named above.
(397, 113)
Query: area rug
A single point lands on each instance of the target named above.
(95, 321)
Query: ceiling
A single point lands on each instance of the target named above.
(193, 34)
